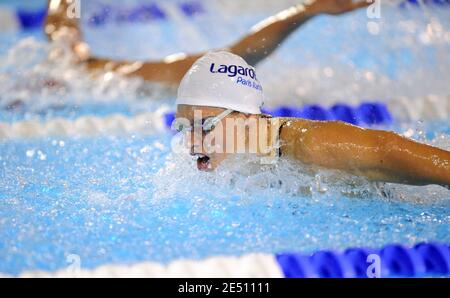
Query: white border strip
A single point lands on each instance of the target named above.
(247, 266)
(86, 126)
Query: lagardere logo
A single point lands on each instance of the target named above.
(233, 70)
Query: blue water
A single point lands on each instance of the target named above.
(127, 199)
(98, 198)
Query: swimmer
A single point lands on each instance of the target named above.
(213, 106)
(262, 40)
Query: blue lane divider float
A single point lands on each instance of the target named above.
(435, 256)
(169, 118)
(366, 114)
(192, 8)
(330, 264)
(31, 19)
(34, 18)
(141, 13)
(358, 259)
(401, 261)
(138, 14)
(424, 259)
(419, 3)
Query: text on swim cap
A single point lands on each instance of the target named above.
(233, 70)
(249, 83)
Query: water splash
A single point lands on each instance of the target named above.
(245, 177)
(37, 77)
(338, 60)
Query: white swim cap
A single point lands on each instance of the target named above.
(223, 80)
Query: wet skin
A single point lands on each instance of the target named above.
(375, 154)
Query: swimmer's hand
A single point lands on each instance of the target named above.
(336, 7)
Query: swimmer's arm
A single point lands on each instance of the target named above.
(171, 70)
(377, 155)
(266, 36)
(262, 40)
(59, 25)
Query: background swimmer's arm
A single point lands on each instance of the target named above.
(262, 40)
(266, 36)
(59, 26)
(377, 155)
(171, 70)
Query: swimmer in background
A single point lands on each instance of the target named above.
(261, 41)
(209, 101)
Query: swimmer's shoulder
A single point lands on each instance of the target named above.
(290, 126)
(278, 123)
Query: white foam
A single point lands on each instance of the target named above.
(38, 76)
(87, 126)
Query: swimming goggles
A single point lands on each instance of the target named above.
(207, 124)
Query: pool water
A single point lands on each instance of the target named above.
(124, 200)
(127, 199)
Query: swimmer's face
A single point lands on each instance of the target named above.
(210, 147)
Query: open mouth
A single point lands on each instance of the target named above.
(203, 162)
